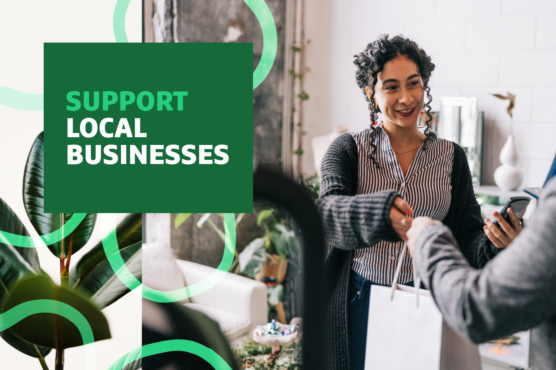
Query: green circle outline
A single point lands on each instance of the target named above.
(51, 238)
(25, 309)
(112, 251)
(173, 345)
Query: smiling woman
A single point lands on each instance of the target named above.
(374, 182)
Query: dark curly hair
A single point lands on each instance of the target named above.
(371, 62)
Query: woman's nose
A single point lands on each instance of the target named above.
(406, 97)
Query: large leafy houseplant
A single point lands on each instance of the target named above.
(89, 286)
(278, 239)
(271, 252)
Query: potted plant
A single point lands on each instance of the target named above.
(266, 258)
(88, 286)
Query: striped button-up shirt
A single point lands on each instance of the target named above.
(426, 187)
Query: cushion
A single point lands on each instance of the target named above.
(231, 325)
(160, 270)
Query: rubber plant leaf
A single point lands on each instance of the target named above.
(103, 286)
(16, 262)
(33, 199)
(128, 232)
(41, 328)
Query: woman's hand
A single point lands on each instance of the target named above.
(400, 222)
(503, 238)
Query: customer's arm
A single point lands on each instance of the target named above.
(515, 291)
(349, 220)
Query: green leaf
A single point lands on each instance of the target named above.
(252, 258)
(307, 69)
(303, 96)
(128, 232)
(41, 328)
(203, 219)
(33, 199)
(218, 231)
(239, 218)
(263, 216)
(296, 49)
(180, 219)
(14, 263)
(284, 240)
(103, 286)
(298, 152)
(275, 294)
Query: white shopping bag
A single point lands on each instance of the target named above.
(406, 331)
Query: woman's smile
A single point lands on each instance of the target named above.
(406, 112)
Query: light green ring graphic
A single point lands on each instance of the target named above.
(23, 310)
(112, 251)
(26, 101)
(19, 100)
(53, 237)
(173, 345)
(118, 21)
(270, 39)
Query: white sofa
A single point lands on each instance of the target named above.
(236, 303)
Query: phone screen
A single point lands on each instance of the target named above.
(518, 204)
(519, 208)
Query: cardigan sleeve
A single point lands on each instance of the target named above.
(473, 242)
(351, 221)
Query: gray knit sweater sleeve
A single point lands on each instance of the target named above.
(351, 221)
(513, 292)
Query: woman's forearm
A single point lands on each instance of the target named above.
(357, 221)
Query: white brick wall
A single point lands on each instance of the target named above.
(479, 47)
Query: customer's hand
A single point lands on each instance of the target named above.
(503, 238)
(400, 222)
(419, 224)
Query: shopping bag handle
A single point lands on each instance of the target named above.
(416, 278)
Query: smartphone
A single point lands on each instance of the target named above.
(518, 204)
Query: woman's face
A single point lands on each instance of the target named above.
(399, 92)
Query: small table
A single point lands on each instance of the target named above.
(517, 358)
(274, 340)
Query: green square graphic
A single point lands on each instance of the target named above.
(183, 113)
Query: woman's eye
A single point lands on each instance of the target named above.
(414, 83)
(390, 88)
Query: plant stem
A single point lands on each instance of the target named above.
(511, 126)
(64, 276)
(59, 359)
(59, 364)
(41, 358)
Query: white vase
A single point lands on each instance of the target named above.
(508, 177)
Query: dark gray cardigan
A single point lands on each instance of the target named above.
(353, 221)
